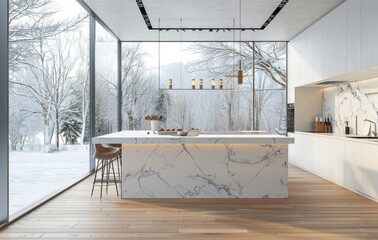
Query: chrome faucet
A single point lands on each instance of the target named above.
(375, 127)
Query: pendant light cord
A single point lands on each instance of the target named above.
(159, 55)
(240, 19)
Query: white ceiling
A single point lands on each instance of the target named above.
(125, 20)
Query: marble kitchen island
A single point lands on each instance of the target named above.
(205, 166)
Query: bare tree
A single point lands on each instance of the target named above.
(33, 28)
(29, 22)
(220, 58)
(182, 115)
(139, 93)
(53, 84)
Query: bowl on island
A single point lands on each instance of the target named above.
(182, 133)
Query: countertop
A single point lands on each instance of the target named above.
(348, 137)
(142, 137)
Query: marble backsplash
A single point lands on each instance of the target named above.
(344, 102)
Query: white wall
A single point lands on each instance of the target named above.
(309, 105)
(343, 41)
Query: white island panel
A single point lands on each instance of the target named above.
(205, 171)
(210, 165)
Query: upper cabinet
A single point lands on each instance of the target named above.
(343, 41)
(369, 33)
(339, 51)
(353, 35)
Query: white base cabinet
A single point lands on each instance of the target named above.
(338, 161)
(369, 168)
(353, 165)
(349, 163)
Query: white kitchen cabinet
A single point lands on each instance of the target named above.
(349, 163)
(338, 161)
(369, 33)
(353, 165)
(343, 41)
(370, 170)
(293, 150)
(299, 151)
(317, 53)
(324, 161)
(340, 42)
(328, 23)
(314, 154)
(353, 35)
(305, 152)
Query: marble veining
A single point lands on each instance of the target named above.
(205, 171)
(347, 101)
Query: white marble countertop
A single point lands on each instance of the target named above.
(349, 137)
(142, 137)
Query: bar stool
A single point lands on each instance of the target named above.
(105, 157)
(119, 158)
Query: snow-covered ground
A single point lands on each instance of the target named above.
(34, 175)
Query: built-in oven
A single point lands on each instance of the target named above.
(290, 118)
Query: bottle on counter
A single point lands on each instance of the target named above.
(328, 125)
(347, 128)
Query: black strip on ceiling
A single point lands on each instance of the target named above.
(266, 23)
(144, 14)
(274, 14)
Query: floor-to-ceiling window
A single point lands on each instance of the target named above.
(221, 104)
(48, 98)
(270, 86)
(106, 81)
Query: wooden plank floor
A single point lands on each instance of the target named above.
(315, 209)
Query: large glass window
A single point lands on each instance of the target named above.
(48, 98)
(257, 104)
(106, 82)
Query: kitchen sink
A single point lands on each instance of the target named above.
(363, 137)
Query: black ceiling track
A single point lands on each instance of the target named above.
(266, 23)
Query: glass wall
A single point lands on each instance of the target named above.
(48, 98)
(270, 87)
(257, 104)
(106, 82)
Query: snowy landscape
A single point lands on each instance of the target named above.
(35, 175)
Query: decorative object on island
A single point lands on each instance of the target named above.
(213, 84)
(193, 84)
(154, 121)
(170, 84)
(201, 84)
(178, 132)
(221, 84)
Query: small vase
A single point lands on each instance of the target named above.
(154, 125)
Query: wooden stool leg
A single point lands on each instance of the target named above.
(115, 181)
(102, 176)
(119, 166)
(94, 180)
(107, 175)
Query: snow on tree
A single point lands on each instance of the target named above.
(40, 46)
(139, 89)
